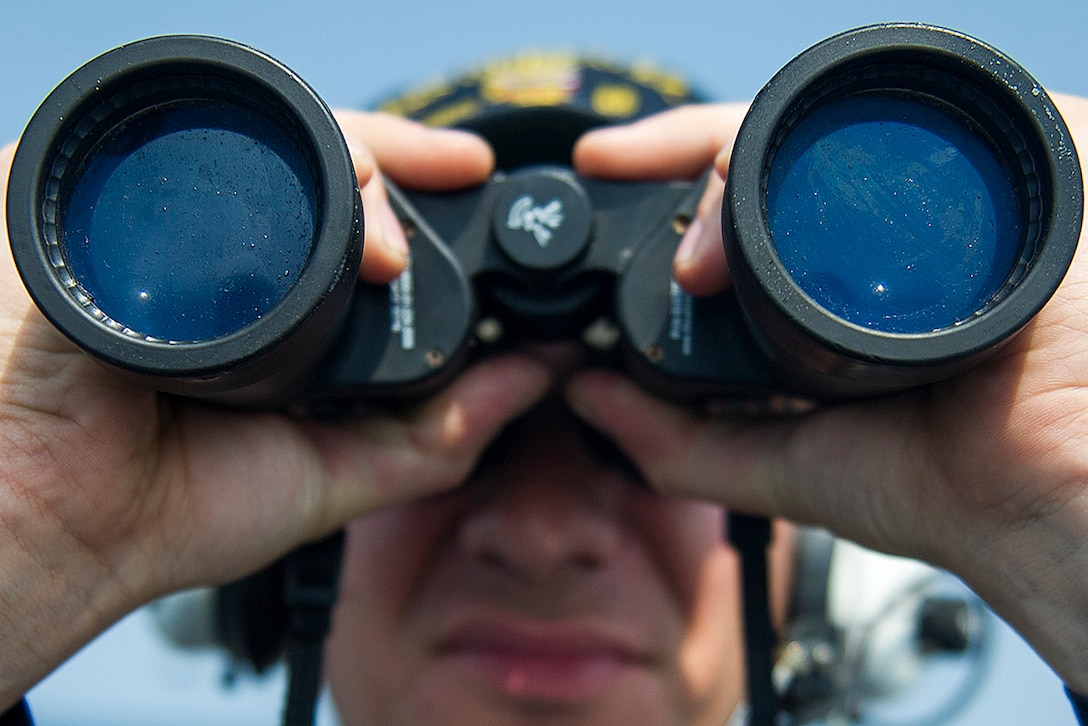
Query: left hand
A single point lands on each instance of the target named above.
(985, 474)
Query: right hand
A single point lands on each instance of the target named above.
(111, 496)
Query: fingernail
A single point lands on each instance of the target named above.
(392, 232)
(692, 243)
(360, 162)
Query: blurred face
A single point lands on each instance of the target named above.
(553, 588)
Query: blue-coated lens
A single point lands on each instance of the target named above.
(893, 214)
(190, 221)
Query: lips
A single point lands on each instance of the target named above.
(562, 662)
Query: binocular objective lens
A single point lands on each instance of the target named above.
(892, 213)
(189, 220)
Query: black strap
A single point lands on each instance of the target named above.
(751, 536)
(311, 585)
(17, 715)
(304, 682)
(1080, 706)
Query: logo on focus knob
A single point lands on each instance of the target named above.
(539, 220)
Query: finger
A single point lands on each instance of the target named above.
(677, 144)
(13, 298)
(419, 157)
(680, 143)
(413, 156)
(663, 440)
(385, 248)
(1074, 110)
(379, 462)
(699, 265)
(807, 469)
(385, 245)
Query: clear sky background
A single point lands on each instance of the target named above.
(355, 52)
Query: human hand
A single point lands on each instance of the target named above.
(414, 156)
(111, 496)
(985, 475)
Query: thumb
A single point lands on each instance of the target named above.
(809, 469)
(381, 461)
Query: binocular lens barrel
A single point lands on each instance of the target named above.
(902, 200)
(892, 214)
(185, 209)
(190, 221)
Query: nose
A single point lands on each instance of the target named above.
(541, 528)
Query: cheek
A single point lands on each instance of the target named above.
(687, 542)
(712, 654)
(386, 552)
(385, 557)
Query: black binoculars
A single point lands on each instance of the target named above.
(901, 200)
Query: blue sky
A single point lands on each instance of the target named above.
(352, 52)
(355, 52)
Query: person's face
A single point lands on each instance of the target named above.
(551, 589)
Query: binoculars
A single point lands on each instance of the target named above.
(901, 201)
